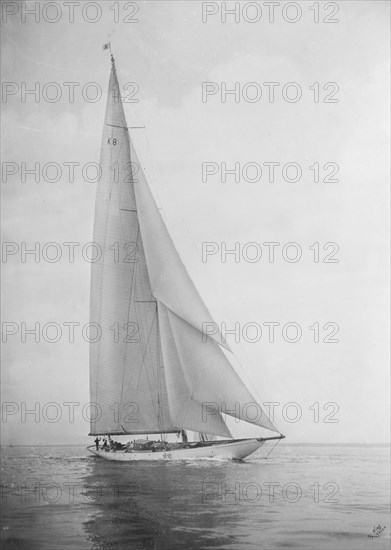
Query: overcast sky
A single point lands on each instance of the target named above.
(169, 53)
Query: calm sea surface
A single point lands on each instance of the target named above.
(310, 497)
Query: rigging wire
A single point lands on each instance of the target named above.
(274, 446)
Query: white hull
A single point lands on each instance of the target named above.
(235, 450)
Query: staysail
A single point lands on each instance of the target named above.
(151, 370)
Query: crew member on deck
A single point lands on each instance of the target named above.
(184, 437)
(96, 441)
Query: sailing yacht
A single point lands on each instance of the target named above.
(152, 371)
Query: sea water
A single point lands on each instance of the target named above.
(304, 497)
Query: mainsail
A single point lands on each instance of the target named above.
(127, 382)
(150, 369)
